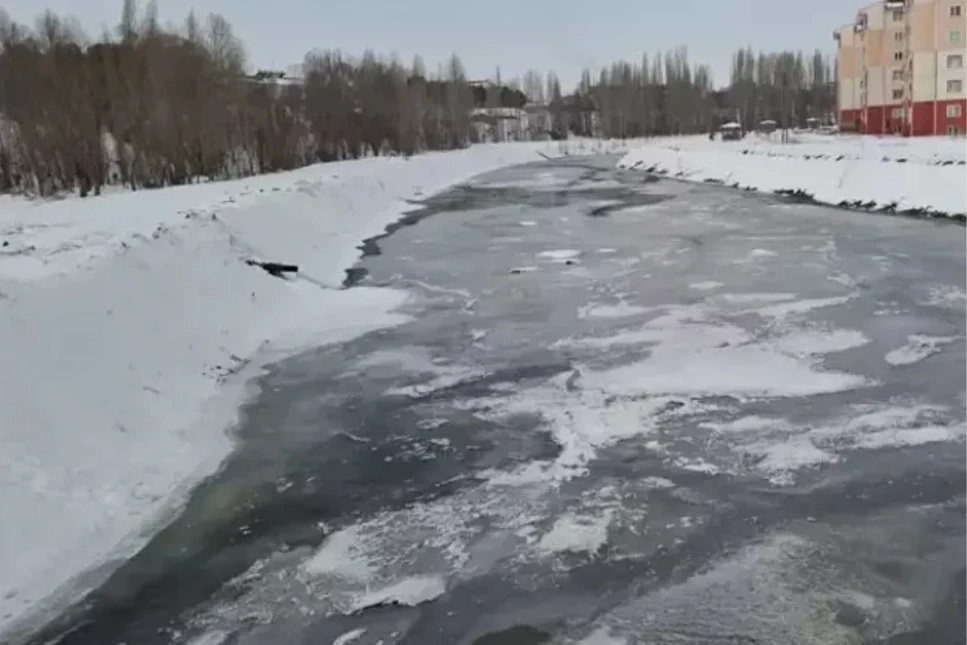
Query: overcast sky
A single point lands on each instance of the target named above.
(564, 35)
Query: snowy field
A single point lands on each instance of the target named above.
(893, 173)
(130, 323)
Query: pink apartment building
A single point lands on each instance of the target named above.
(901, 68)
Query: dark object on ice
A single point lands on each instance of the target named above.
(275, 269)
(797, 194)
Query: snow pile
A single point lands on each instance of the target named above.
(125, 319)
(930, 178)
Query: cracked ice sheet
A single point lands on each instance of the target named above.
(684, 361)
(413, 554)
(789, 588)
(695, 354)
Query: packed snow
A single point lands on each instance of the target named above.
(133, 322)
(916, 173)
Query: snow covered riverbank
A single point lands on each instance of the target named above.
(889, 174)
(129, 324)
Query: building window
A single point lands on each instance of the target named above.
(898, 75)
(898, 113)
(897, 95)
(955, 11)
(953, 111)
(897, 55)
(952, 129)
(955, 86)
(954, 36)
(898, 15)
(955, 61)
(898, 36)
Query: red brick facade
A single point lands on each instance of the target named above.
(929, 118)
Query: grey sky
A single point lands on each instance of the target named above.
(564, 35)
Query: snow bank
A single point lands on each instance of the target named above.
(893, 175)
(926, 150)
(124, 320)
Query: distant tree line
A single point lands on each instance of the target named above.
(665, 94)
(151, 106)
(786, 87)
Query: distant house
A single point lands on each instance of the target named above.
(266, 76)
(731, 131)
(768, 126)
(539, 121)
(499, 113)
(580, 114)
(500, 124)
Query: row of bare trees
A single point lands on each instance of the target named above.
(786, 87)
(149, 106)
(662, 94)
(666, 94)
(152, 106)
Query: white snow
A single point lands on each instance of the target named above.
(800, 307)
(216, 637)
(750, 423)
(620, 310)
(559, 254)
(779, 458)
(706, 285)
(917, 348)
(831, 169)
(415, 361)
(602, 636)
(120, 316)
(946, 296)
(784, 449)
(701, 358)
(813, 342)
(893, 437)
(754, 298)
(577, 533)
(342, 555)
(349, 637)
(410, 591)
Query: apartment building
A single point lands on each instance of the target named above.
(901, 68)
